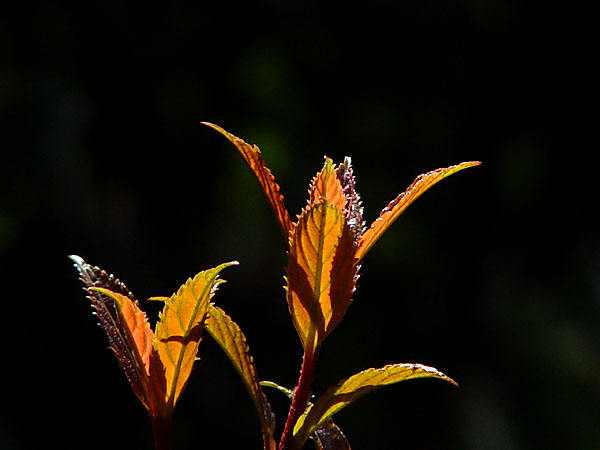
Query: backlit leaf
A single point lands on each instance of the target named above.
(232, 341)
(102, 290)
(140, 337)
(136, 327)
(351, 389)
(253, 158)
(320, 273)
(326, 186)
(396, 207)
(179, 329)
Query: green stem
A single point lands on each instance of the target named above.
(301, 398)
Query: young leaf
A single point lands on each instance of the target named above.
(253, 158)
(353, 209)
(179, 329)
(232, 341)
(140, 338)
(351, 389)
(320, 273)
(326, 186)
(102, 289)
(135, 325)
(396, 207)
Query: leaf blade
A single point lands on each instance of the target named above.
(397, 206)
(253, 158)
(100, 287)
(326, 186)
(352, 388)
(320, 273)
(136, 326)
(232, 341)
(179, 329)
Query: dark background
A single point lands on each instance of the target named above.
(492, 277)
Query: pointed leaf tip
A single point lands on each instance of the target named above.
(351, 389)
(124, 324)
(179, 328)
(397, 206)
(253, 158)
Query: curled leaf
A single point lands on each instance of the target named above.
(127, 331)
(396, 207)
(179, 329)
(253, 158)
(232, 341)
(351, 389)
(135, 326)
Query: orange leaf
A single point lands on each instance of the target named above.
(253, 158)
(179, 329)
(326, 186)
(126, 328)
(137, 329)
(400, 203)
(320, 273)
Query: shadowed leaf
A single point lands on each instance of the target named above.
(103, 290)
(232, 341)
(253, 158)
(351, 389)
(328, 436)
(320, 273)
(136, 327)
(179, 329)
(396, 207)
(140, 337)
(353, 209)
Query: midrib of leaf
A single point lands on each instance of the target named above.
(184, 343)
(318, 273)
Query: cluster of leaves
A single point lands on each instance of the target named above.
(326, 246)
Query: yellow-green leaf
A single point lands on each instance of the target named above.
(253, 158)
(232, 341)
(351, 389)
(179, 329)
(320, 273)
(396, 207)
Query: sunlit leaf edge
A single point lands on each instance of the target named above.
(352, 388)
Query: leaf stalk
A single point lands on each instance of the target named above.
(162, 431)
(301, 397)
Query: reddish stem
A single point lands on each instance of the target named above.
(162, 431)
(300, 400)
